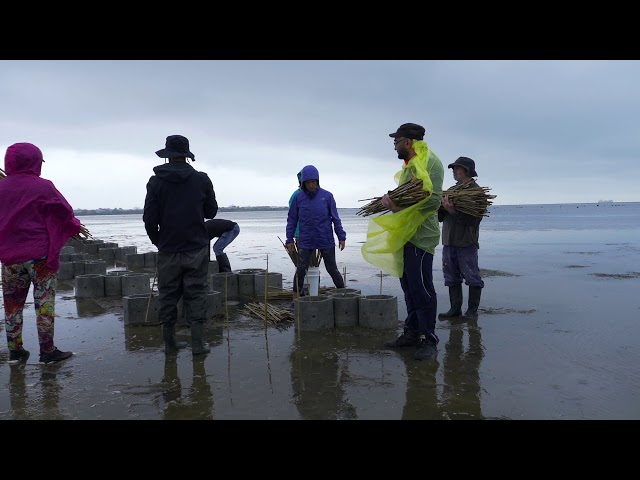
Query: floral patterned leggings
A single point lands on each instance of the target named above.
(16, 281)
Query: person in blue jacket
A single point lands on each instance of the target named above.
(314, 210)
(297, 232)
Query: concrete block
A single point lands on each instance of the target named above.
(313, 313)
(141, 308)
(378, 311)
(89, 286)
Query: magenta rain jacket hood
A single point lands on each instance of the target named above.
(35, 219)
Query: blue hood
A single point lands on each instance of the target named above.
(309, 172)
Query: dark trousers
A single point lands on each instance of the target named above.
(460, 264)
(419, 292)
(183, 274)
(329, 259)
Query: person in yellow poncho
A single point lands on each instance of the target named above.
(402, 243)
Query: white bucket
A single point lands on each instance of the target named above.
(313, 274)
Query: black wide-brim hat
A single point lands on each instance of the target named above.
(468, 164)
(176, 146)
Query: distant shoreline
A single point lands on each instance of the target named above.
(123, 211)
(232, 208)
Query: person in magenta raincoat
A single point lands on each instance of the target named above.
(35, 223)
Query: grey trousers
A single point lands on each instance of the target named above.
(183, 274)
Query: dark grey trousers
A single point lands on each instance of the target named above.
(461, 264)
(183, 274)
(329, 260)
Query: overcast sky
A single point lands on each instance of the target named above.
(540, 131)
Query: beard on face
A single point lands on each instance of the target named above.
(403, 154)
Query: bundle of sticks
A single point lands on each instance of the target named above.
(316, 255)
(472, 200)
(83, 235)
(272, 314)
(405, 195)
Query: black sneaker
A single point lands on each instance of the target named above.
(426, 351)
(16, 356)
(407, 339)
(54, 356)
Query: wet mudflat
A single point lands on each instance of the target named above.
(556, 339)
(560, 356)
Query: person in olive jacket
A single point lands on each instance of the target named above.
(460, 244)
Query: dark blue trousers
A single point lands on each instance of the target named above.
(419, 292)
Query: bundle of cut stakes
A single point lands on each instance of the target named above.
(316, 255)
(405, 195)
(472, 200)
(84, 234)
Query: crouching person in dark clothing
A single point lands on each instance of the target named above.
(226, 232)
(460, 244)
(178, 200)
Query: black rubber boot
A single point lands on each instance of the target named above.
(197, 343)
(406, 339)
(455, 298)
(223, 263)
(171, 345)
(427, 350)
(474, 303)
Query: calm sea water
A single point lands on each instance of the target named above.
(618, 217)
(506, 228)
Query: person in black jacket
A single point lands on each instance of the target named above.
(226, 232)
(178, 200)
(460, 244)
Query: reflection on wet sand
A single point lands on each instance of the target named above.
(461, 391)
(198, 403)
(318, 379)
(34, 391)
(422, 389)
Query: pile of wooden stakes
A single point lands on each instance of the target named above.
(269, 312)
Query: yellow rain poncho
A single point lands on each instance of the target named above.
(387, 234)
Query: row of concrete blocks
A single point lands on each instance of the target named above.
(70, 270)
(323, 312)
(141, 260)
(115, 283)
(127, 282)
(150, 259)
(82, 264)
(250, 282)
(143, 308)
(108, 251)
(311, 313)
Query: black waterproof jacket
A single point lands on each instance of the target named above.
(218, 226)
(178, 200)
